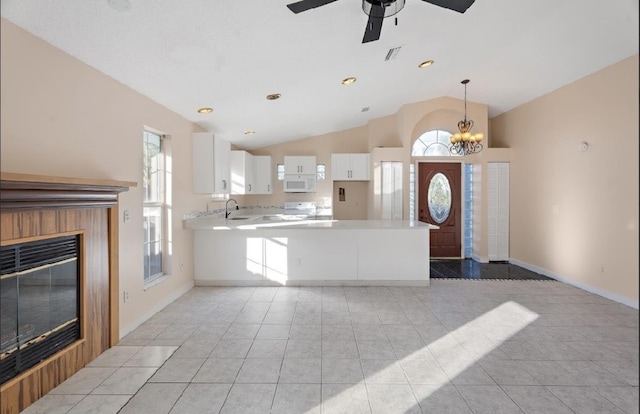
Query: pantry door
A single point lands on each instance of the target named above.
(440, 203)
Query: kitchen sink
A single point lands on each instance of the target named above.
(272, 217)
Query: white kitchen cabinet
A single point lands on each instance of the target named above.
(242, 173)
(211, 168)
(498, 210)
(349, 252)
(263, 174)
(305, 164)
(350, 167)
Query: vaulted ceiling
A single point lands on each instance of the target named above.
(230, 54)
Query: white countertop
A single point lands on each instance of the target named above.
(260, 222)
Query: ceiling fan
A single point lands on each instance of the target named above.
(377, 10)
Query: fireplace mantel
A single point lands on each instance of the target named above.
(19, 192)
(34, 207)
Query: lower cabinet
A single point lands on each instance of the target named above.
(279, 256)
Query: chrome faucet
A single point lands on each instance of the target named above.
(226, 207)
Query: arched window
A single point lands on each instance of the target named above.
(432, 143)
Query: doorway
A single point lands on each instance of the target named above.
(439, 194)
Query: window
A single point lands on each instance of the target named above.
(468, 210)
(280, 169)
(153, 187)
(320, 169)
(432, 143)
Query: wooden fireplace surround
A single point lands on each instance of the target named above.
(34, 207)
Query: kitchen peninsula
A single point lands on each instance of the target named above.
(272, 251)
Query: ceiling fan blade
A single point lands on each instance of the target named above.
(460, 6)
(374, 25)
(305, 5)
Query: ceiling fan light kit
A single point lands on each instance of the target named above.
(389, 7)
(378, 10)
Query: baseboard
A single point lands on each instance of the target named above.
(600, 292)
(310, 283)
(479, 259)
(157, 308)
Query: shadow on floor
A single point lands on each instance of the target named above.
(471, 269)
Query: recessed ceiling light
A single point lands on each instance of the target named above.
(348, 81)
(119, 5)
(426, 64)
(249, 132)
(273, 96)
(205, 110)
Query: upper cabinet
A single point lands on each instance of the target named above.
(250, 174)
(263, 174)
(242, 173)
(211, 168)
(300, 164)
(350, 167)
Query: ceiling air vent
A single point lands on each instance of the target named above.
(365, 109)
(392, 53)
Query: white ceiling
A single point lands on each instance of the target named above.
(229, 54)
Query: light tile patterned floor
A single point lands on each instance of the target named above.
(457, 346)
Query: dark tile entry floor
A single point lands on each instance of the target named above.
(470, 269)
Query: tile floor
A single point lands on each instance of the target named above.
(470, 269)
(458, 346)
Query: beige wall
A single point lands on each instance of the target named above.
(575, 214)
(322, 146)
(540, 140)
(61, 117)
(354, 205)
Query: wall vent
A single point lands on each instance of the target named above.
(392, 53)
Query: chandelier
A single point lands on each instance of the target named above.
(464, 142)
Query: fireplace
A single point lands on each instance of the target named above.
(39, 301)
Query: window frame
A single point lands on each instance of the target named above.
(161, 204)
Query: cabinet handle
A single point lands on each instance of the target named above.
(249, 187)
(268, 187)
(224, 184)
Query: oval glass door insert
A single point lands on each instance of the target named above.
(439, 198)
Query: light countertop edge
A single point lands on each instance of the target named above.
(257, 223)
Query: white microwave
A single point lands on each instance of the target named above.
(302, 183)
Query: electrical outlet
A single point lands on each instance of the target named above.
(125, 296)
(125, 216)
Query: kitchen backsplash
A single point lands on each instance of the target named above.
(250, 210)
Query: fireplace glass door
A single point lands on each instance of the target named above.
(39, 300)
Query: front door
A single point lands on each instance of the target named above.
(439, 203)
